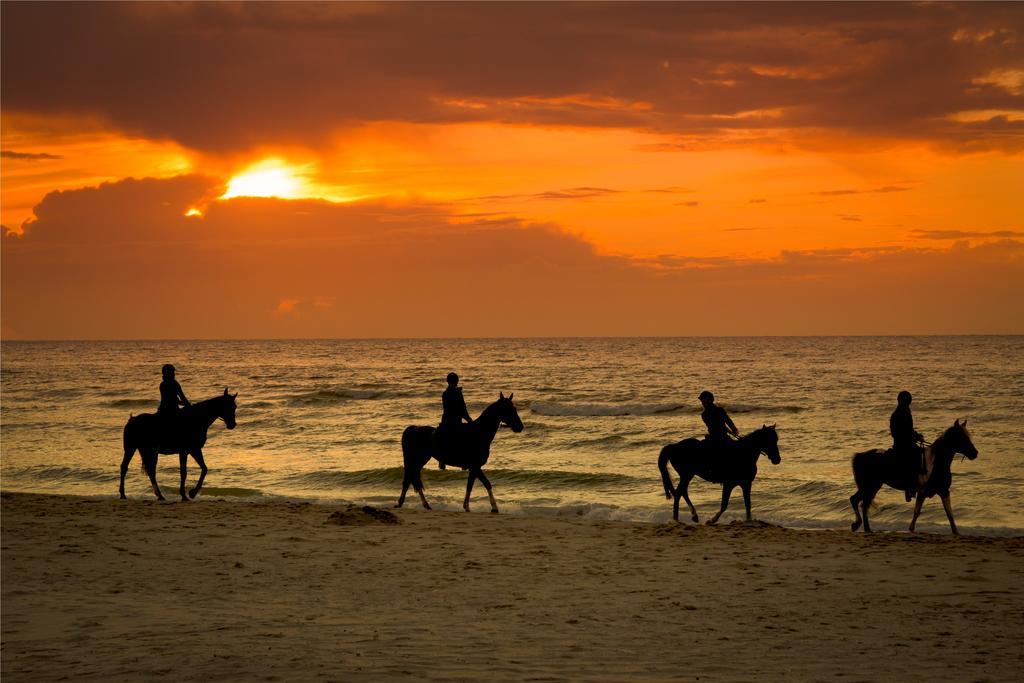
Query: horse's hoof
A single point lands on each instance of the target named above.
(192, 494)
(397, 506)
(427, 507)
(494, 511)
(854, 526)
(711, 522)
(124, 497)
(695, 518)
(161, 498)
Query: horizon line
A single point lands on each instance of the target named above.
(506, 337)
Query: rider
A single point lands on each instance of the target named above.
(454, 407)
(906, 441)
(171, 396)
(718, 422)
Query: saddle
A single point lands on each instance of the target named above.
(447, 440)
(919, 463)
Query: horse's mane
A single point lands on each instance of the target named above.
(750, 434)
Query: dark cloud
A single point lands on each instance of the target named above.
(878, 190)
(27, 156)
(122, 260)
(965, 234)
(226, 76)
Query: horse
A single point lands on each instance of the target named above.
(731, 467)
(472, 448)
(872, 469)
(145, 433)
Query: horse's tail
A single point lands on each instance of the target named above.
(666, 478)
(861, 463)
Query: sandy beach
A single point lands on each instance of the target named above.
(222, 590)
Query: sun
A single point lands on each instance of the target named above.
(270, 178)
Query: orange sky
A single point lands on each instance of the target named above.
(465, 170)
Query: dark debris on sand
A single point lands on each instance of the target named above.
(354, 515)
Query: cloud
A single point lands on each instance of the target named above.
(878, 190)
(227, 77)
(574, 193)
(965, 234)
(122, 260)
(27, 156)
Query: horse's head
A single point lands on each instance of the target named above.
(768, 442)
(227, 409)
(507, 412)
(961, 440)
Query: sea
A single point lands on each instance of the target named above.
(322, 420)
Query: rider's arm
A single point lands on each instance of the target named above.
(465, 412)
(728, 421)
(181, 395)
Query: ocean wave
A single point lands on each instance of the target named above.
(231, 492)
(551, 408)
(744, 408)
(333, 396)
(133, 403)
(61, 474)
(556, 409)
(508, 477)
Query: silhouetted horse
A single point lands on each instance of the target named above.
(470, 449)
(733, 466)
(872, 469)
(145, 433)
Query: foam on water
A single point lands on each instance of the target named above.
(322, 420)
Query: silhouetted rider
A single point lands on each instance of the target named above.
(171, 396)
(454, 412)
(718, 422)
(906, 441)
(719, 427)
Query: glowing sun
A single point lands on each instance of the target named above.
(270, 178)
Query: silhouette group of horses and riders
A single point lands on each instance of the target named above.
(724, 457)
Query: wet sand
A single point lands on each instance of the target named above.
(228, 590)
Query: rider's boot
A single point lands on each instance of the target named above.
(440, 464)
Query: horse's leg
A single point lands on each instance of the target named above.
(854, 502)
(745, 487)
(473, 472)
(949, 513)
(726, 492)
(417, 483)
(183, 461)
(198, 456)
(406, 481)
(677, 493)
(149, 463)
(490, 492)
(865, 503)
(128, 454)
(685, 485)
(917, 510)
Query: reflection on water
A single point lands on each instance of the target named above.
(323, 419)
